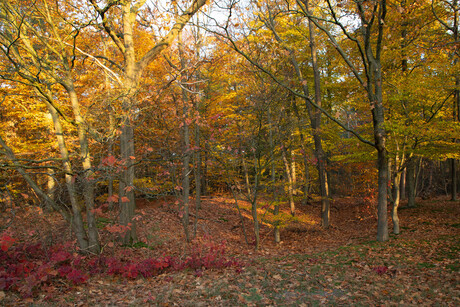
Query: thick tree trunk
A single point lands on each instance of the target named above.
(126, 185)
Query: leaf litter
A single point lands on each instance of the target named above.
(343, 265)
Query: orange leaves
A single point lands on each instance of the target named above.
(115, 198)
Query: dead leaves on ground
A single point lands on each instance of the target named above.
(340, 266)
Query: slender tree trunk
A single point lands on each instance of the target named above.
(35, 187)
(293, 172)
(396, 199)
(289, 182)
(456, 106)
(254, 204)
(246, 175)
(397, 175)
(204, 177)
(276, 209)
(197, 169)
(186, 145)
(316, 126)
(411, 182)
(197, 156)
(51, 184)
(453, 166)
(315, 116)
(402, 188)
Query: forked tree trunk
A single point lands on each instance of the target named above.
(77, 220)
(87, 178)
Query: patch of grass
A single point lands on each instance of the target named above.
(101, 222)
(140, 244)
(254, 295)
(454, 267)
(425, 265)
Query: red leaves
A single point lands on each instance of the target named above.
(380, 270)
(28, 267)
(6, 241)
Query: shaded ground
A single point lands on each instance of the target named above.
(339, 266)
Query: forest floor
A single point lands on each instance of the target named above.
(342, 265)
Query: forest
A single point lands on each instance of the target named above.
(229, 152)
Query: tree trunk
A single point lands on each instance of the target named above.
(382, 214)
(396, 199)
(397, 175)
(186, 145)
(402, 188)
(77, 220)
(126, 185)
(454, 183)
(51, 184)
(315, 115)
(87, 178)
(197, 169)
(276, 228)
(289, 182)
(411, 182)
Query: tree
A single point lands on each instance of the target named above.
(124, 39)
(36, 45)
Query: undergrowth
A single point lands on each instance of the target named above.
(27, 267)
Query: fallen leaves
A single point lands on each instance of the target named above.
(341, 266)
